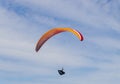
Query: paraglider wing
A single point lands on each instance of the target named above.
(55, 31)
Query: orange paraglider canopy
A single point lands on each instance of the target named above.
(53, 32)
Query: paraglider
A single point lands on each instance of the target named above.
(53, 32)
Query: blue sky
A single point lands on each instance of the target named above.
(93, 61)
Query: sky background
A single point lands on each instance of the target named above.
(96, 60)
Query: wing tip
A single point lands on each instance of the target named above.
(36, 49)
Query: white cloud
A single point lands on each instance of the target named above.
(107, 42)
(82, 12)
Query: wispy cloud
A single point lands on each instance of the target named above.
(82, 12)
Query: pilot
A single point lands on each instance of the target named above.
(61, 72)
